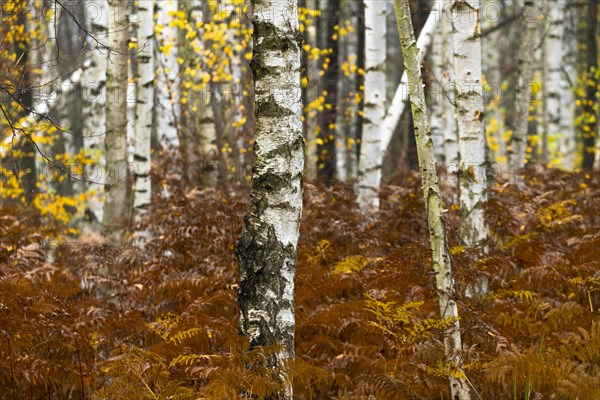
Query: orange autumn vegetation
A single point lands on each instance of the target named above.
(105, 322)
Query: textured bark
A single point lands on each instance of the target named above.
(435, 220)
(268, 247)
(117, 204)
(144, 106)
(326, 152)
(469, 117)
(553, 56)
(396, 108)
(371, 154)
(525, 71)
(94, 117)
(167, 106)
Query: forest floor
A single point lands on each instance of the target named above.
(87, 319)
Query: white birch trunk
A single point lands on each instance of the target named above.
(117, 205)
(396, 108)
(472, 175)
(435, 220)
(518, 141)
(566, 142)
(144, 107)
(371, 154)
(448, 92)
(94, 116)
(552, 64)
(167, 107)
(267, 250)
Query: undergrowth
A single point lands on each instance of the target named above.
(81, 318)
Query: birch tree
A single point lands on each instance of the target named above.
(566, 143)
(94, 100)
(117, 205)
(435, 220)
(469, 117)
(552, 73)
(267, 249)
(144, 106)
(525, 71)
(369, 167)
(434, 94)
(167, 106)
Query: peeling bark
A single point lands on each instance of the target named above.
(267, 249)
(472, 177)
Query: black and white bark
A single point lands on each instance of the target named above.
(472, 177)
(268, 246)
(437, 236)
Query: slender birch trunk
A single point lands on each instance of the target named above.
(448, 91)
(525, 71)
(371, 154)
(144, 107)
(396, 108)
(267, 249)
(566, 143)
(167, 106)
(552, 73)
(117, 205)
(435, 220)
(472, 177)
(94, 116)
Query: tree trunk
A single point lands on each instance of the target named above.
(167, 106)
(268, 247)
(94, 117)
(566, 143)
(472, 177)
(525, 70)
(144, 107)
(117, 205)
(435, 220)
(369, 167)
(552, 64)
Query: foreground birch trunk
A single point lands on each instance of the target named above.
(144, 106)
(117, 204)
(268, 247)
(371, 154)
(437, 235)
(472, 177)
(525, 71)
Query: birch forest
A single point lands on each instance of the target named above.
(299, 199)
